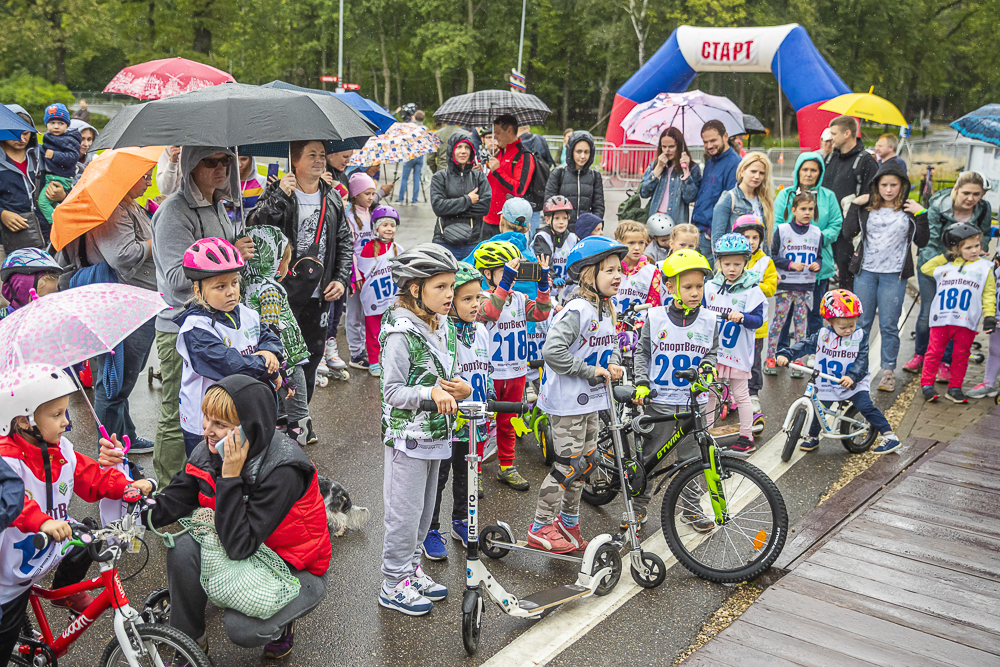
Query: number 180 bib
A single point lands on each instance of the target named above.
(959, 297)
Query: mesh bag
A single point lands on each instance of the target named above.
(258, 586)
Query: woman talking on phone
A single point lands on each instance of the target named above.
(460, 197)
(672, 180)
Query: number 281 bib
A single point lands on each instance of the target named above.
(675, 348)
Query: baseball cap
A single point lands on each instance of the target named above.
(517, 211)
(827, 134)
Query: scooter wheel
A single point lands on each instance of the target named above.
(977, 358)
(657, 571)
(472, 620)
(976, 345)
(607, 556)
(724, 411)
(488, 541)
(758, 424)
(150, 373)
(544, 433)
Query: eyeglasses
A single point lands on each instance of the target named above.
(213, 162)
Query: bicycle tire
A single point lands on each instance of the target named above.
(772, 541)
(173, 639)
(18, 659)
(794, 433)
(852, 444)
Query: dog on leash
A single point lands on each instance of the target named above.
(341, 514)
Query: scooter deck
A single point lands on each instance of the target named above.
(724, 431)
(551, 597)
(521, 545)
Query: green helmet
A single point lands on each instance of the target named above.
(466, 273)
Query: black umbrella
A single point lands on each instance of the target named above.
(752, 125)
(235, 114)
(483, 106)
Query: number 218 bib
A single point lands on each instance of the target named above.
(509, 339)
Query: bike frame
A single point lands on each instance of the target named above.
(816, 410)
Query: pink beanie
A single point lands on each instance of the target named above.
(360, 181)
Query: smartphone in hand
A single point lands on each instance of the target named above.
(529, 271)
(272, 172)
(221, 446)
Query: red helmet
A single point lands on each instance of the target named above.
(557, 203)
(840, 303)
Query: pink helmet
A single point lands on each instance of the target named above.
(211, 257)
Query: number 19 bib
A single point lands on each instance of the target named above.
(565, 395)
(736, 342)
(959, 297)
(509, 339)
(674, 348)
(833, 355)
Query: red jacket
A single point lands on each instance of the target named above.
(511, 179)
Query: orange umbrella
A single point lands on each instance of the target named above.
(105, 182)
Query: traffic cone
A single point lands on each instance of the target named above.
(781, 157)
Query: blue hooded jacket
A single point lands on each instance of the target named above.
(530, 289)
(718, 176)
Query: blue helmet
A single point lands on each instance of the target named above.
(29, 261)
(733, 244)
(592, 250)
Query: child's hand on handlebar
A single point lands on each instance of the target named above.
(781, 361)
(640, 396)
(57, 530)
(846, 382)
(735, 316)
(446, 403)
(143, 485)
(601, 372)
(616, 371)
(458, 389)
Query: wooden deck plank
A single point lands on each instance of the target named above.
(971, 476)
(941, 513)
(724, 652)
(797, 650)
(970, 459)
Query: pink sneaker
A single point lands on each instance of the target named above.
(915, 364)
(944, 374)
(549, 538)
(572, 535)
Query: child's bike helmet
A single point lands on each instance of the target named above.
(27, 387)
(659, 224)
(684, 260)
(592, 250)
(748, 222)
(422, 261)
(733, 244)
(493, 254)
(957, 232)
(466, 273)
(384, 211)
(29, 261)
(211, 257)
(840, 303)
(557, 203)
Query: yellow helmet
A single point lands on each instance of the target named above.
(685, 260)
(493, 254)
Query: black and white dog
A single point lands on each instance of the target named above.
(341, 513)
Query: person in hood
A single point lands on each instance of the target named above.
(673, 179)
(264, 490)
(17, 181)
(88, 135)
(888, 222)
(60, 154)
(808, 176)
(195, 211)
(577, 181)
(460, 197)
(849, 172)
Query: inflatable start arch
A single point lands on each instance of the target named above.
(806, 79)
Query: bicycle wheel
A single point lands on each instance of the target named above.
(753, 531)
(794, 433)
(602, 487)
(863, 441)
(165, 646)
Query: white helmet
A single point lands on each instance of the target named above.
(659, 224)
(23, 389)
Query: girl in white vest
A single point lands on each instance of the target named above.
(581, 345)
(966, 291)
(33, 423)
(753, 228)
(797, 252)
(841, 350)
(641, 278)
(219, 336)
(735, 297)
(376, 289)
(677, 336)
(554, 240)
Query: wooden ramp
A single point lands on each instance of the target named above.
(911, 579)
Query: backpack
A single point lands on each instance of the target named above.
(632, 208)
(535, 194)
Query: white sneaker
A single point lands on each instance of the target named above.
(332, 355)
(530, 395)
(404, 597)
(811, 360)
(755, 402)
(427, 587)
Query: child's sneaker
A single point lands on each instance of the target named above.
(744, 445)
(929, 394)
(955, 395)
(982, 390)
(427, 587)
(888, 382)
(460, 532)
(360, 362)
(405, 598)
(755, 403)
(281, 646)
(770, 367)
(943, 374)
(890, 443)
(433, 546)
(311, 437)
(530, 395)
(809, 445)
(549, 538)
(332, 355)
(512, 478)
(915, 364)
(572, 535)
(375, 370)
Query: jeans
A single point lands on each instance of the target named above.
(863, 402)
(882, 293)
(114, 412)
(928, 290)
(312, 319)
(843, 251)
(414, 165)
(815, 320)
(536, 218)
(705, 248)
(168, 453)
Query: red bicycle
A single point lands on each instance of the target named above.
(140, 639)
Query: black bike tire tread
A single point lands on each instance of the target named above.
(845, 427)
(794, 435)
(195, 655)
(765, 483)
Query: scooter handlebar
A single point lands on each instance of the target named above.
(536, 363)
(508, 407)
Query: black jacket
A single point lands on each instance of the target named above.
(583, 187)
(856, 222)
(538, 147)
(279, 210)
(849, 173)
(450, 190)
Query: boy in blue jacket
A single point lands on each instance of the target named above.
(60, 153)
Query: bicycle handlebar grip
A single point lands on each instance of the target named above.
(509, 407)
(594, 381)
(690, 374)
(536, 363)
(428, 405)
(41, 541)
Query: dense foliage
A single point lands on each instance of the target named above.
(932, 55)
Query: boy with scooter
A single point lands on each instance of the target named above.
(581, 344)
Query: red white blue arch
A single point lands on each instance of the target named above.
(786, 51)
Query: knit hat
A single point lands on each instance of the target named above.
(360, 181)
(57, 111)
(586, 224)
(517, 212)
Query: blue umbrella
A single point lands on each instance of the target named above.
(982, 124)
(370, 110)
(12, 125)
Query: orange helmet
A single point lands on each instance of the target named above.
(840, 303)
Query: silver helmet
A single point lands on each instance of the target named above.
(422, 261)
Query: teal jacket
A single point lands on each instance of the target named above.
(829, 216)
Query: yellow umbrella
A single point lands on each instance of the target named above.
(104, 184)
(868, 106)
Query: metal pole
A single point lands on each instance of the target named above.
(781, 116)
(520, 46)
(340, 48)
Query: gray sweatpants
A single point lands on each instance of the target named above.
(188, 600)
(355, 326)
(296, 407)
(409, 487)
(572, 436)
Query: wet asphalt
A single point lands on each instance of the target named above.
(350, 628)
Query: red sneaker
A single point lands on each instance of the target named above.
(77, 602)
(915, 364)
(944, 374)
(549, 538)
(572, 535)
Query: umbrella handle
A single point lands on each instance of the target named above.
(125, 438)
